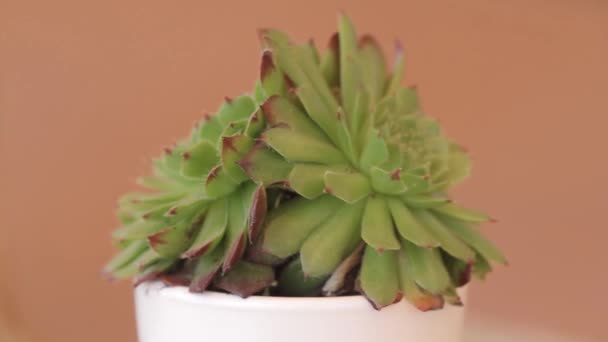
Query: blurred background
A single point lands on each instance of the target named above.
(89, 90)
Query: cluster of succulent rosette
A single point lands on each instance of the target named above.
(327, 180)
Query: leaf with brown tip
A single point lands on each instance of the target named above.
(422, 300)
(264, 166)
(449, 242)
(236, 233)
(255, 203)
(427, 268)
(213, 228)
(207, 266)
(273, 80)
(246, 279)
(379, 277)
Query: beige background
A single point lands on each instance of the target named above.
(90, 89)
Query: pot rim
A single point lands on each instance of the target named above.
(225, 300)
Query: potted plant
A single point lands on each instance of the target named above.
(325, 187)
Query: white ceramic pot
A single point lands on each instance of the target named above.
(172, 314)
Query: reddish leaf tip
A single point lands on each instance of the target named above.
(368, 40)
(157, 238)
(196, 252)
(234, 254)
(396, 174)
(334, 42)
(267, 64)
(291, 86)
(213, 173)
(228, 99)
(398, 47)
(186, 155)
(398, 297)
(228, 143)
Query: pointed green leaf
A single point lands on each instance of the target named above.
(265, 166)
(153, 270)
(312, 89)
(361, 119)
(134, 267)
(271, 38)
(419, 298)
(307, 179)
(330, 62)
(415, 180)
(373, 66)
(236, 231)
(273, 80)
(279, 111)
(377, 228)
(207, 266)
(347, 186)
(481, 267)
(344, 138)
(138, 230)
(126, 256)
(255, 205)
(255, 124)
(460, 213)
(235, 127)
(259, 94)
(172, 241)
(349, 77)
(237, 109)
(424, 201)
(144, 202)
(448, 241)
(473, 238)
(427, 268)
(199, 159)
(332, 241)
(408, 227)
(212, 230)
(218, 183)
(291, 223)
(395, 81)
(296, 147)
(378, 277)
(233, 149)
(210, 128)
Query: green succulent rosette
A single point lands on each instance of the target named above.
(194, 225)
(371, 171)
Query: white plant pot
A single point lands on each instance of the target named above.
(172, 314)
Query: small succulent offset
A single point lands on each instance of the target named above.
(328, 180)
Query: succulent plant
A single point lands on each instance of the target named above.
(194, 227)
(331, 176)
